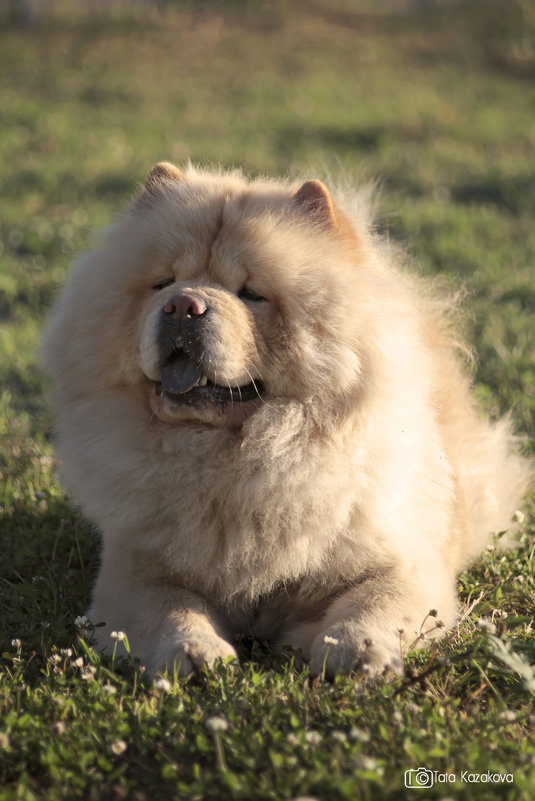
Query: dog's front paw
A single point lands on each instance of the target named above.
(346, 646)
(191, 653)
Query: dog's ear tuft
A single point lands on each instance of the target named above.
(162, 173)
(314, 199)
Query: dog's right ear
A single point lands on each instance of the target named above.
(160, 176)
(162, 173)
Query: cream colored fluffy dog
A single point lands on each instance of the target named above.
(271, 427)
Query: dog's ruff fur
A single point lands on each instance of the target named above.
(331, 511)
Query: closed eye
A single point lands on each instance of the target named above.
(248, 294)
(163, 284)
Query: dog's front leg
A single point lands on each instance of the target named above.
(368, 625)
(166, 625)
(190, 638)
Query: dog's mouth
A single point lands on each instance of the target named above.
(182, 380)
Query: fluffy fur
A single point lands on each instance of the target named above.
(330, 479)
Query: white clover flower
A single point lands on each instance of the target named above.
(330, 640)
(109, 689)
(88, 673)
(54, 659)
(79, 662)
(66, 652)
(292, 739)
(163, 684)
(306, 798)
(518, 516)
(486, 626)
(118, 747)
(508, 715)
(59, 727)
(217, 723)
(359, 735)
(119, 636)
(313, 737)
(364, 762)
(81, 621)
(339, 736)
(16, 643)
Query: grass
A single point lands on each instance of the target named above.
(435, 99)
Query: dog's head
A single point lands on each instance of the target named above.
(213, 295)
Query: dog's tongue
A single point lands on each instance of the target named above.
(179, 376)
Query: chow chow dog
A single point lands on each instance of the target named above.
(272, 426)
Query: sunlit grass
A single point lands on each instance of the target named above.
(437, 102)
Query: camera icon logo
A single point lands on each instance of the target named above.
(419, 777)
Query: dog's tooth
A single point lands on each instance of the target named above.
(203, 381)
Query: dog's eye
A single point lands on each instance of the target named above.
(163, 284)
(248, 294)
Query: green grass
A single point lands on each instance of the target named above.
(437, 101)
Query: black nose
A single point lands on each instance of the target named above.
(182, 323)
(185, 304)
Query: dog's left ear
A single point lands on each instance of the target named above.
(314, 200)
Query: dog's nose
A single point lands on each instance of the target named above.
(185, 304)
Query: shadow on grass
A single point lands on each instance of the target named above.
(50, 559)
(515, 193)
(366, 138)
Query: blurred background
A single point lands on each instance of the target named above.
(435, 100)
